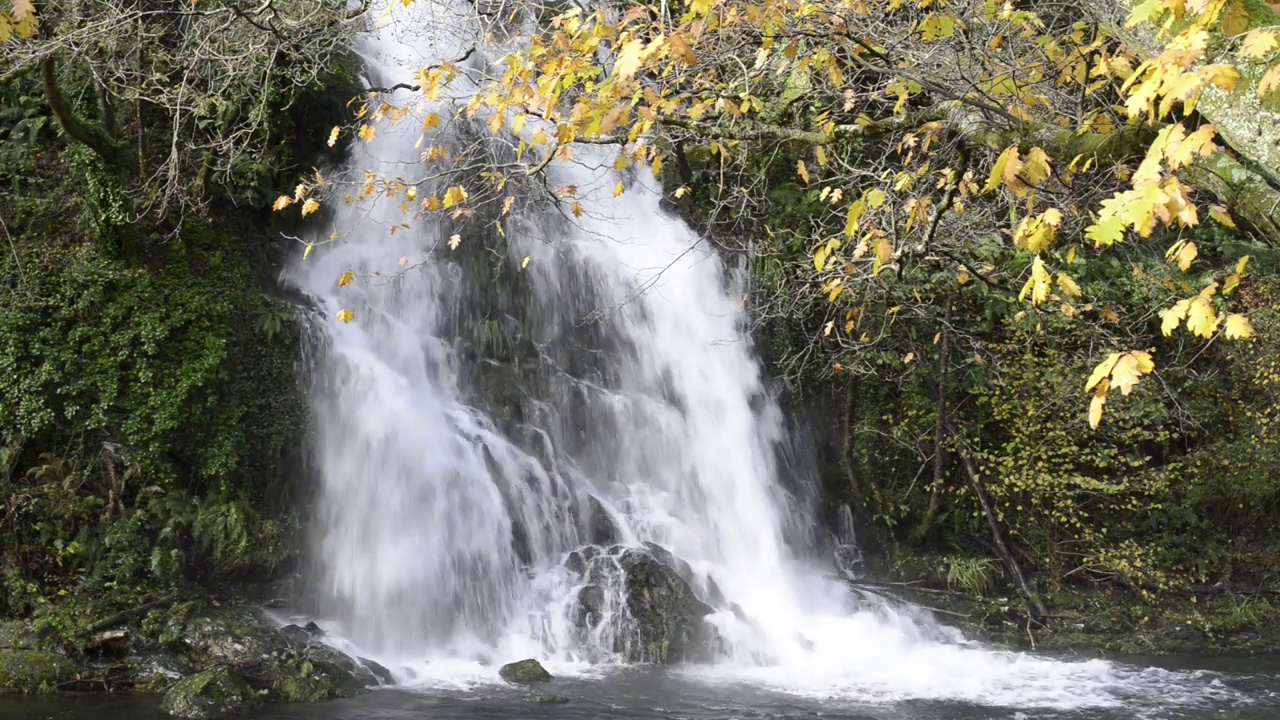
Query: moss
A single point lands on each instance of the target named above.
(24, 670)
(211, 694)
(524, 672)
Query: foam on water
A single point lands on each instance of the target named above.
(442, 523)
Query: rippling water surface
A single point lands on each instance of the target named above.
(1232, 689)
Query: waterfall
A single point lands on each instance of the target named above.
(485, 394)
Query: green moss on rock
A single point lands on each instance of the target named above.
(524, 672)
(214, 693)
(27, 670)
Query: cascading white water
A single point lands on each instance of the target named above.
(445, 510)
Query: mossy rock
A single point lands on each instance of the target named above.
(214, 693)
(524, 672)
(156, 672)
(668, 624)
(27, 670)
(288, 665)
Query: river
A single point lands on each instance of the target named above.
(1219, 688)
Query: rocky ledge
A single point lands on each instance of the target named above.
(208, 663)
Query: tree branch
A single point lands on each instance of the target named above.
(91, 135)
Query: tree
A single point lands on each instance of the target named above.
(187, 97)
(1000, 140)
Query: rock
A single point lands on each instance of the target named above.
(590, 607)
(214, 693)
(524, 672)
(289, 665)
(29, 670)
(714, 594)
(383, 675)
(661, 618)
(667, 622)
(601, 528)
(575, 563)
(157, 672)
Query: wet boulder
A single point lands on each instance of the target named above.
(602, 529)
(667, 620)
(156, 672)
(644, 594)
(524, 672)
(214, 693)
(288, 665)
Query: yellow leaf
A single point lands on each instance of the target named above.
(802, 171)
(1107, 231)
(1220, 214)
(618, 189)
(883, 252)
(1241, 263)
(366, 133)
(1036, 167)
(282, 202)
(1223, 76)
(307, 250)
(346, 279)
(411, 193)
(1102, 371)
(454, 241)
(309, 207)
(507, 203)
(345, 316)
(576, 209)
(1259, 43)
(1129, 369)
(1269, 82)
(524, 263)
(1005, 166)
(454, 196)
(628, 61)
(1095, 409)
(1202, 319)
(1171, 318)
(1238, 328)
(333, 135)
(404, 261)
(1183, 253)
(1068, 286)
(1236, 19)
(856, 210)
(906, 360)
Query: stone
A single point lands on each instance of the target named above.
(524, 672)
(590, 606)
(29, 670)
(157, 672)
(215, 693)
(575, 563)
(288, 665)
(380, 672)
(667, 620)
(601, 527)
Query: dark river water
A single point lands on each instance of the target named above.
(1225, 689)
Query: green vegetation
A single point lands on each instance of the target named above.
(1023, 263)
(150, 408)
